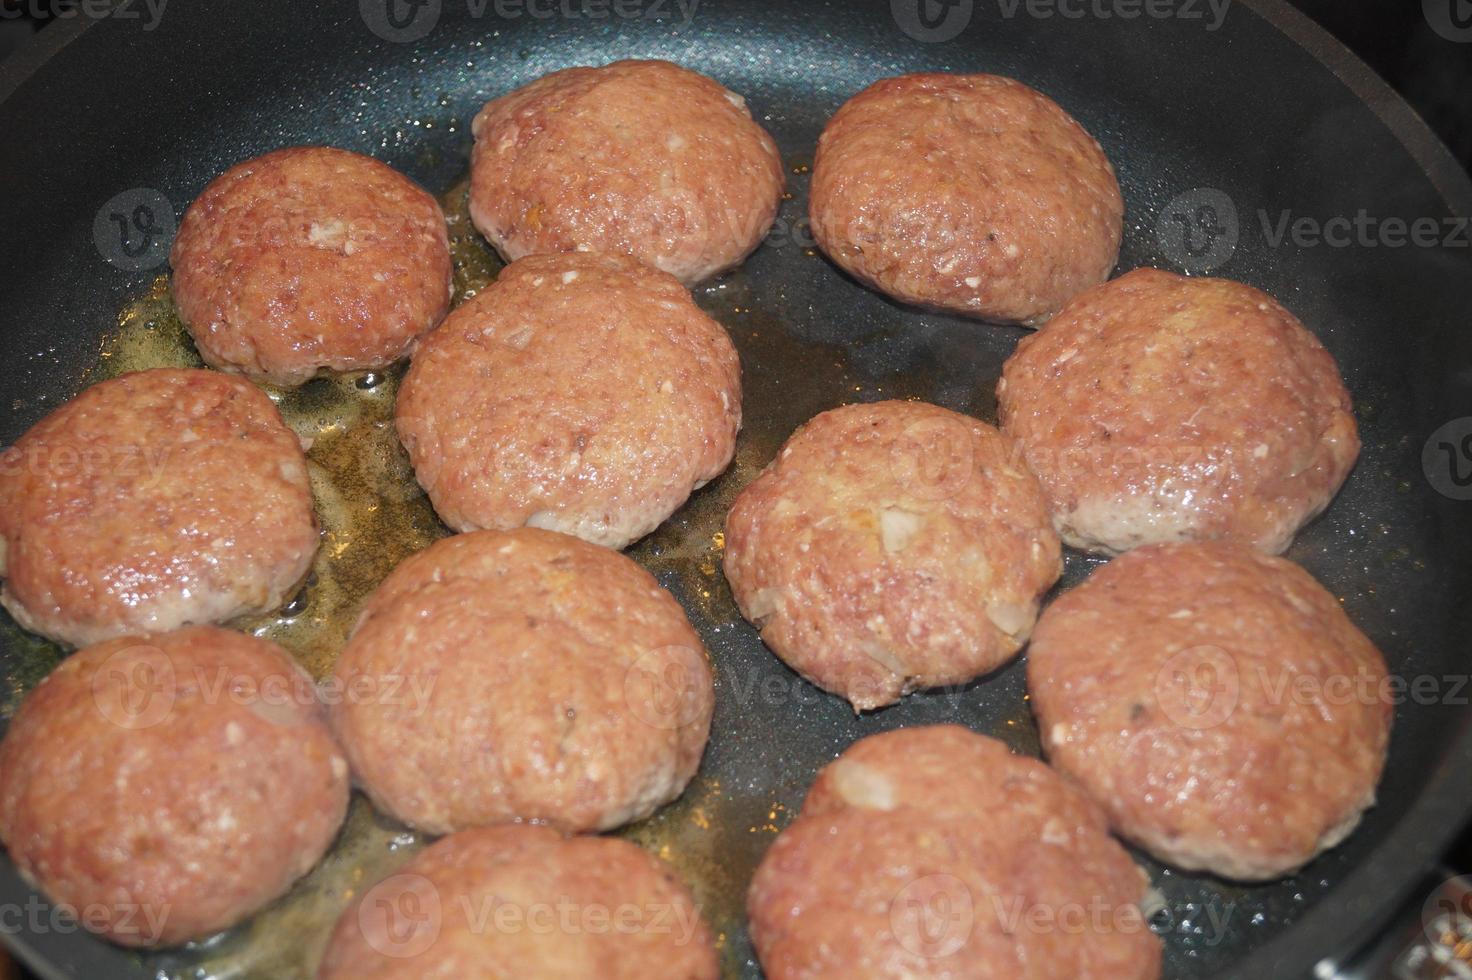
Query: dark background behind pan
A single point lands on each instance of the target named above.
(1266, 110)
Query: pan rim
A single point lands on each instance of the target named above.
(1371, 892)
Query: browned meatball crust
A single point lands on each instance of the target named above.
(1218, 703)
(523, 902)
(168, 786)
(310, 259)
(580, 393)
(151, 501)
(641, 157)
(936, 852)
(538, 677)
(1162, 408)
(969, 193)
(891, 547)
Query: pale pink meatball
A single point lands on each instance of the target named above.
(1161, 408)
(1217, 702)
(640, 157)
(524, 902)
(582, 393)
(151, 501)
(892, 547)
(968, 193)
(934, 852)
(534, 677)
(310, 259)
(168, 786)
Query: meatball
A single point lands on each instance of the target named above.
(310, 259)
(524, 901)
(535, 677)
(151, 501)
(1160, 408)
(935, 852)
(640, 157)
(166, 787)
(581, 393)
(892, 547)
(968, 193)
(1218, 703)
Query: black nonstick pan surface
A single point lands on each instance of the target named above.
(1220, 121)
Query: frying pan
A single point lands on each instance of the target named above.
(1264, 112)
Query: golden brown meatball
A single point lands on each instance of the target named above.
(1218, 703)
(151, 501)
(168, 786)
(892, 547)
(640, 157)
(579, 393)
(1161, 408)
(524, 901)
(936, 852)
(969, 193)
(538, 677)
(310, 259)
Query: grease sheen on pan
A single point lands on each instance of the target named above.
(969, 193)
(524, 901)
(310, 259)
(935, 852)
(533, 676)
(891, 547)
(641, 157)
(1217, 701)
(579, 392)
(154, 500)
(1162, 408)
(170, 785)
